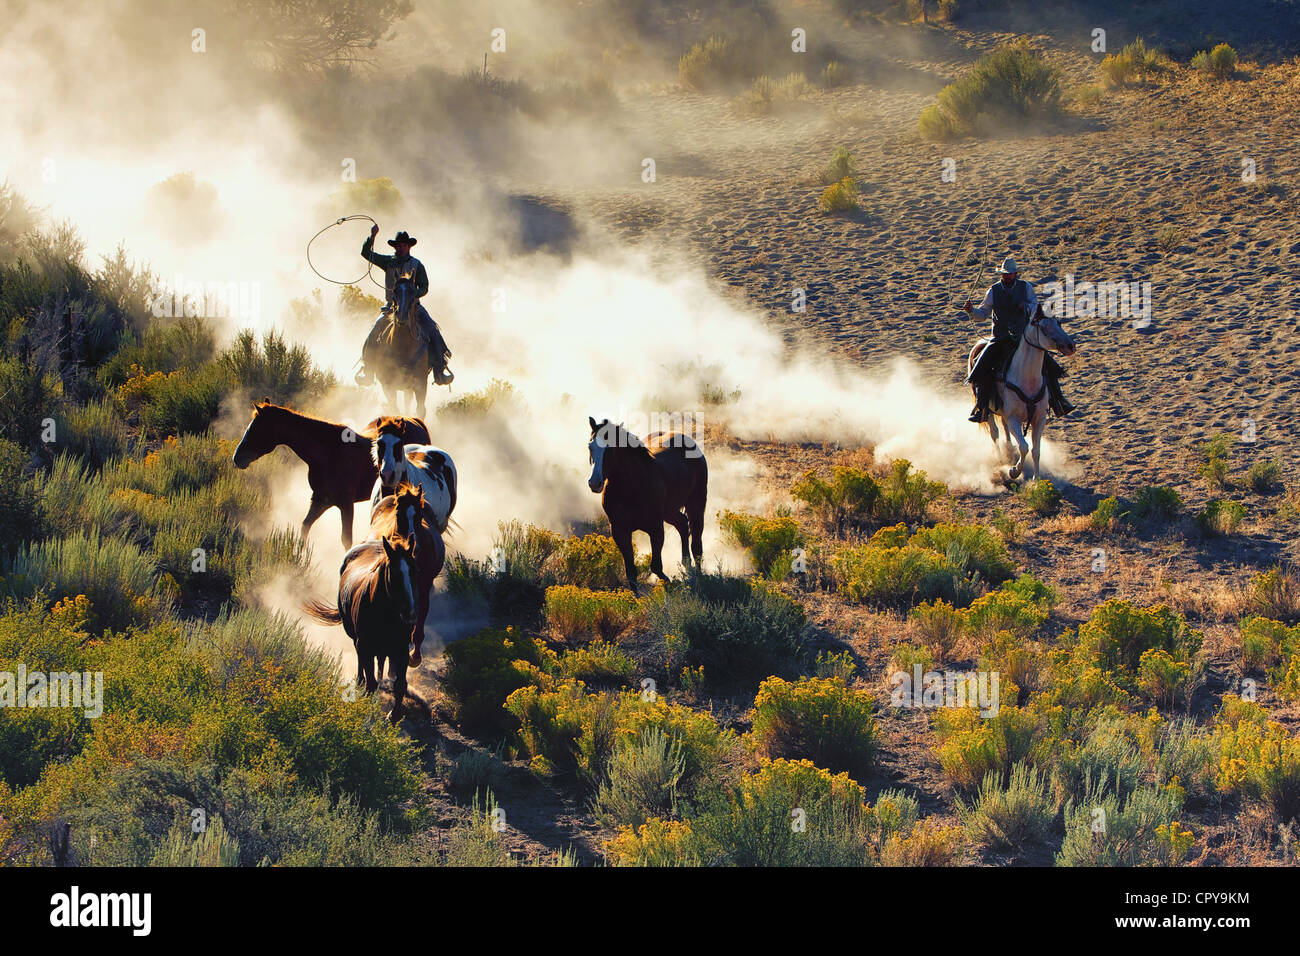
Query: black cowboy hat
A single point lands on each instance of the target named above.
(401, 237)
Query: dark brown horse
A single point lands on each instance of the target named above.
(377, 606)
(401, 363)
(340, 462)
(403, 514)
(645, 484)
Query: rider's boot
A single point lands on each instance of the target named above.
(980, 411)
(1060, 405)
(438, 366)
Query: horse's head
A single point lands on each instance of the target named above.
(400, 551)
(261, 437)
(1048, 334)
(389, 450)
(606, 438)
(409, 507)
(405, 299)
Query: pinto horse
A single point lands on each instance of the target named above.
(644, 485)
(1022, 392)
(401, 361)
(377, 607)
(340, 462)
(403, 514)
(428, 468)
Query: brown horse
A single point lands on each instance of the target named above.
(403, 514)
(340, 462)
(377, 607)
(401, 363)
(644, 485)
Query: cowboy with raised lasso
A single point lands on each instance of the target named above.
(1011, 303)
(400, 264)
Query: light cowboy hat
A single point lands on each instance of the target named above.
(1009, 266)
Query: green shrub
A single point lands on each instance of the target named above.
(1275, 593)
(1220, 518)
(473, 407)
(20, 511)
(738, 638)
(273, 368)
(1012, 81)
(819, 719)
(642, 782)
(1020, 606)
(840, 197)
(766, 540)
(1042, 497)
(906, 495)
(1135, 63)
(1107, 756)
(835, 74)
(1143, 829)
(759, 823)
(947, 561)
(598, 663)
(971, 547)
(95, 432)
(575, 611)
(1264, 477)
(483, 670)
(839, 168)
(1157, 503)
(1117, 634)
(940, 625)
(970, 747)
(1220, 62)
(120, 580)
(849, 496)
(717, 63)
(164, 346)
(591, 561)
(1107, 515)
(1009, 815)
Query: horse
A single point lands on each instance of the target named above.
(1022, 392)
(376, 605)
(403, 514)
(340, 462)
(401, 364)
(428, 468)
(644, 485)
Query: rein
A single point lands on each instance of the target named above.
(1031, 404)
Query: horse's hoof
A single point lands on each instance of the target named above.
(1013, 474)
(415, 658)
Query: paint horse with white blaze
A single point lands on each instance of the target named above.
(426, 467)
(1021, 393)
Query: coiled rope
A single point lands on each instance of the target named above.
(369, 265)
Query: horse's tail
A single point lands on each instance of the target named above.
(321, 612)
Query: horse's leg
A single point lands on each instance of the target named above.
(398, 669)
(657, 551)
(1040, 420)
(1016, 430)
(421, 394)
(368, 668)
(623, 540)
(683, 525)
(345, 516)
(314, 511)
(421, 612)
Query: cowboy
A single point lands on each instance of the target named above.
(1012, 304)
(396, 266)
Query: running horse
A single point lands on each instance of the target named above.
(428, 468)
(644, 485)
(376, 605)
(340, 462)
(402, 513)
(401, 362)
(1021, 394)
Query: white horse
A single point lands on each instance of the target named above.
(425, 466)
(1022, 394)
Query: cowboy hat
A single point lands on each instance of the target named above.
(401, 237)
(1008, 265)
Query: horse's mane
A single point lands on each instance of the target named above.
(625, 439)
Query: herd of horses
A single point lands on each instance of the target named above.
(385, 582)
